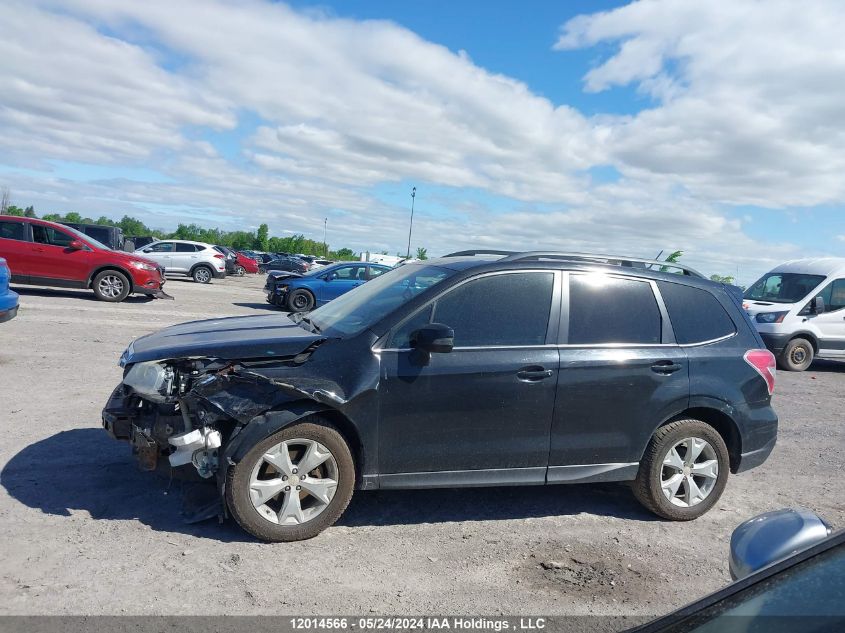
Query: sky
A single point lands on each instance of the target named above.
(716, 128)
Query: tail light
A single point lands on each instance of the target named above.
(219, 256)
(763, 362)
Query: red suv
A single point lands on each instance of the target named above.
(44, 253)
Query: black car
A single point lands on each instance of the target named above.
(111, 236)
(284, 264)
(231, 258)
(468, 370)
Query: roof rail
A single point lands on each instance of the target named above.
(613, 260)
(479, 252)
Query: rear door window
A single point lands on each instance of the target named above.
(184, 248)
(12, 231)
(696, 315)
(605, 310)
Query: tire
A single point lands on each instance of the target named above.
(111, 285)
(797, 355)
(300, 301)
(262, 270)
(240, 271)
(202, 274)
(261, 517)
(655, 471)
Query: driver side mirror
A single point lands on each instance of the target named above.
(772, 537)
(76, 245)
(817, 305)
(434, 338)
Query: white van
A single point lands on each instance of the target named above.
(799, 310)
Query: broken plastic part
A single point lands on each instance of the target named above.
(186, 444)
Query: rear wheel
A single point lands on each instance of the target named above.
(294, 484)
(300, 301)
(202, 274)
(684, 470)
(240, 271)
(262, 269)
(111, 285)
(797, 355)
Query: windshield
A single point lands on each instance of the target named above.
(783, 287)
(361, 308)
(87, 238)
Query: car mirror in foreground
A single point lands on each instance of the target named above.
(76, 245)
(772, 537)
(434, 338)
(818, 305)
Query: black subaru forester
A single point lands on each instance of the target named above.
(475, 369)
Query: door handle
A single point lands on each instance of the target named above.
(666, 367)
(533, 374)
(37, 249)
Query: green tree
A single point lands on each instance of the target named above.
(727, 279)
(344, 254)
(422, 253)
(29, 212)
(73, 216)
(261, 237)
(13, 210)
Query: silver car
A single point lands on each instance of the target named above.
(183, 257)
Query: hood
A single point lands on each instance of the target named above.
(232, 338)
(124, 257)
(753, 307)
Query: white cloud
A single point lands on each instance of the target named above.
(748, 97)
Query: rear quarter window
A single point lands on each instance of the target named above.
(696, 315)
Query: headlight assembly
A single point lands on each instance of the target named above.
(152, 380)
(771, 317)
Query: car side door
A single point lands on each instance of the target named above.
(481, 414)
(55, 259)
(830, 324)
(16, 248)
(161, 253)
(183, 257)
(622, 374)
(341, 280)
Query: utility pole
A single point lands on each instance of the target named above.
(411, 228)
(325, 230)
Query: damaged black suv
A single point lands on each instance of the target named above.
(476, 369)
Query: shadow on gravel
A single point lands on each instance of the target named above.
(445, 505)
(259, 306)
(87, 295)
(827, 367)
(84, 469)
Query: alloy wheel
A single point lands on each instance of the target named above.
(110, 286)
(690, 471)
(202, 275)
(293, 482)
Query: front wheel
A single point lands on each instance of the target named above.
(797, 355)
(294, 484)
(111, 285)
(300, 301)
(684, 470)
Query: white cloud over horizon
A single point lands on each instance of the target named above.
(322, 111)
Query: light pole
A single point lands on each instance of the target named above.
(325, 230)
(411, 228)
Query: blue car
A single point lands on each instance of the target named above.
(8, 299)
(300, 293)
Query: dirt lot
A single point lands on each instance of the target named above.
(83, 532)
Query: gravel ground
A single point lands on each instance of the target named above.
(82, 531)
